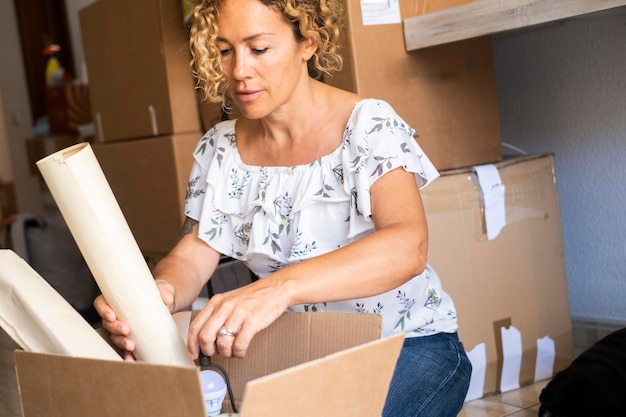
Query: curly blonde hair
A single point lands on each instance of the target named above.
(319, 20)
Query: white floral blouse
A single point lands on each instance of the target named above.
(272, 217)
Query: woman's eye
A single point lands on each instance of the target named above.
(224, 52)
(259, 51)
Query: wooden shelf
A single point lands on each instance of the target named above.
(484, 17)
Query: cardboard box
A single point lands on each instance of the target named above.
(149, 180)
(447, 93)
(519, 277)
(304, 364)
(137, 61)
(430, 6)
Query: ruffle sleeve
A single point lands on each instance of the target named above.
(378, 141)
(206, 151)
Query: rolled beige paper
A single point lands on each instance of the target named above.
(87, 203)
(39, 319)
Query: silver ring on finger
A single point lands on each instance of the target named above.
(225, 331)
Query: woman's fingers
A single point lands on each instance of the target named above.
(166, 290)
(104, 309)
(229, 321)
(118, 330)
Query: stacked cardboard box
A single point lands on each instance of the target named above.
(518, 277)
(137, 62)
(142, 90)
(447, 94)
(145, 111)
(149, 180)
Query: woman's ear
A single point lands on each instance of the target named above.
(308, 47)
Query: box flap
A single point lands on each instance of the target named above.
(296, 338)
(63, 386)
(352, 383)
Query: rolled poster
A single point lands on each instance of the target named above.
(95, 219)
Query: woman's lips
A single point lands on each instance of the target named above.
(247, 95)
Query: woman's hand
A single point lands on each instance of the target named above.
(242, 312)
(118, 329)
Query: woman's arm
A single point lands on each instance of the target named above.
(187, 268)
(379, 262)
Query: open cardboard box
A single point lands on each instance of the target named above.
(304, 364)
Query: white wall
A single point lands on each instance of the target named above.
(16, 126)
(562, 89)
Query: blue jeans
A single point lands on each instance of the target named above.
(431, 379)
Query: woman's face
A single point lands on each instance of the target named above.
(262, 61)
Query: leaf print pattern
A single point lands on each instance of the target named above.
(338, 173)
(272, 238)
(192, 190)
(242, 233)
(433, 300)
(235, 254)
(283, 205)
(360, 160)
(232, 139)
(405, 313)
(360, 308)
(385, 122)
(379, 168)
(323, 191)
(218, 219)
(312, 307)
(297, 251)
(275, 265)
(208, 138)
(353, 201)
(271, 218)
(237, 185)
(264, 182)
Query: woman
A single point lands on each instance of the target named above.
(317, 191)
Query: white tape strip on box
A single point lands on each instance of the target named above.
(87, 203)
(38, 319)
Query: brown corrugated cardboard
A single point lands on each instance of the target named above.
(448, 93)
(430, 6)
(518, 277)
(137, 59)
(149, 180)
(304, 381)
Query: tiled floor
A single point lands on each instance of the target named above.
(523, 402)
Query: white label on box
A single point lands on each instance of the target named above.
(511, 358)
(380, 12)
(545, 358)
(478, 358)
(493, 197)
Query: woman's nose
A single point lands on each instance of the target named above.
(241, 66)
